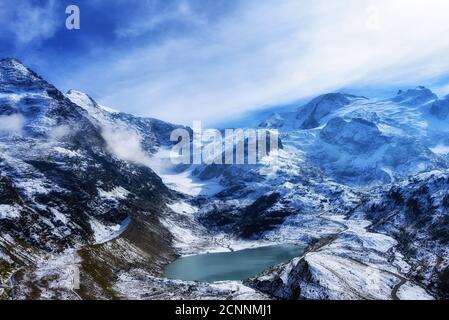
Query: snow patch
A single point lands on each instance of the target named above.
(104, 233)
(67, 152)
(9, 212)
(20, 67)
(183, 208)
(412, 292)
(108, 109)
(33, 187)
(59, 216)
(118, 193)
(60, 271)
(440, 149)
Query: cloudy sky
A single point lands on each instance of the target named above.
(185, 60)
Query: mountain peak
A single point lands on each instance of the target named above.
(15, 76)
(416, 96)
(87, 102)
(312, 113)
(338, 97)
(416, 89)
(12, 64)
(10, 61)
(80, 98)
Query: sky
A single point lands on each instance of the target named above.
(190, 60)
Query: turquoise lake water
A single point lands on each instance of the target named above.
(237, 265)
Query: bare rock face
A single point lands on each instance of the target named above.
(59, 167)
(284, 282)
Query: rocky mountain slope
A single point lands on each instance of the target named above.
(61, 189)
(79, 201)
(416, 213)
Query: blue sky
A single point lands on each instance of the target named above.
(185, 60)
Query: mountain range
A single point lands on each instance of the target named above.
(362, 184)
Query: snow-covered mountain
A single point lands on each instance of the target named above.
(360, 141)
(341, 152)
(77, 194)
(151, 134)
(62, 188)
(361, 183)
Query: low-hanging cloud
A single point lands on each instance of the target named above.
(11, 123)
(271, 52)
(125, 144)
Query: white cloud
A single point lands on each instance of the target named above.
(29, 22)
(179, 11)
(61, 132)
(270, 52)
(125, 144)
(12, 123)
